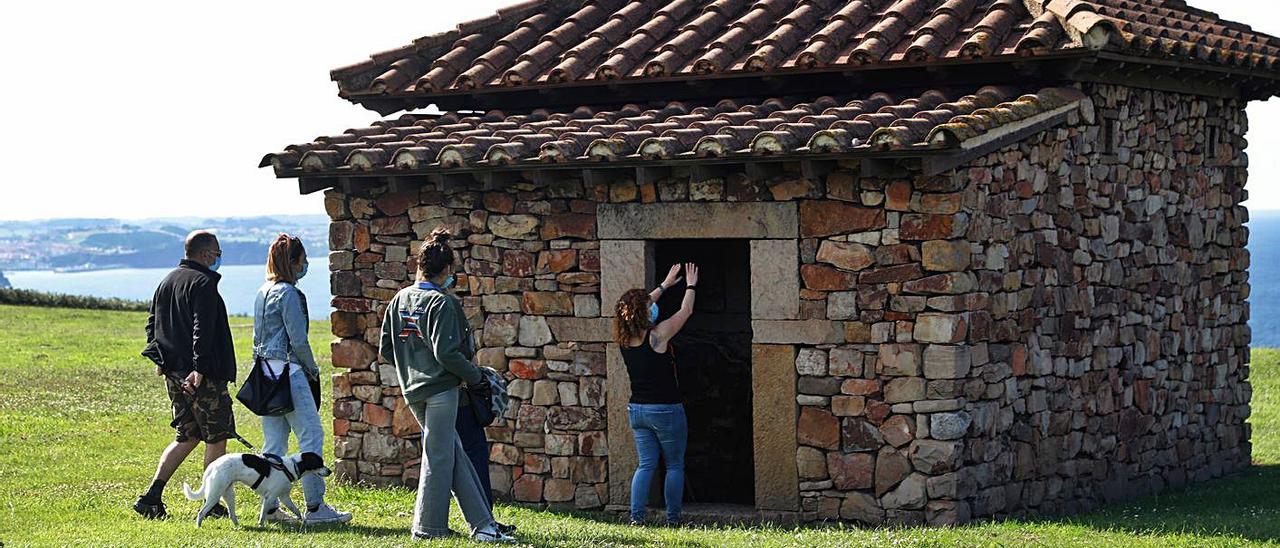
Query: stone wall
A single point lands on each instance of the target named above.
(1055, 324)
(531, 291)
(1113, 352)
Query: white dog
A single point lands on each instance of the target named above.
(270, 476)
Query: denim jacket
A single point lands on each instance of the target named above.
(280, 326)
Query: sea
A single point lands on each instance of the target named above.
(240, 282)
(1264, 278)
(238, 287)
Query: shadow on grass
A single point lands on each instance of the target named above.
(530, 533)
(1244, 505)
(1241, 506)
(621, 520)
(365, 531)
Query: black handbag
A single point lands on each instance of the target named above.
(314, 384)
(265, 396)
(479, 396)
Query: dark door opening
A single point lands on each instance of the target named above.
(713, 364)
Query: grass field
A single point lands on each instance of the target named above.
(83, 419)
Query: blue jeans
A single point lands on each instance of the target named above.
(304, 422)
(660, 430)
(474, 443)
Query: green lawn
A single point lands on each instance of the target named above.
(83, 419)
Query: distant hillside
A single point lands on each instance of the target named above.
(4, 282)
(94, 244)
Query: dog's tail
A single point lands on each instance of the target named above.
(192, 495)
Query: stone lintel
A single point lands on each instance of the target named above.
(698, 220)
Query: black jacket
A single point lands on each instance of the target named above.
(187, 329)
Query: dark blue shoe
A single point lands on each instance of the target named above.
(150, 508)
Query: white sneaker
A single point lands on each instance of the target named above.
(280, 515)
(326, 514)
(491, 534)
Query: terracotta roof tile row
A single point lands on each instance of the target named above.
(605, 40)
(934, 119)
(1171, 27)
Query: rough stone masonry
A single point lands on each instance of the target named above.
(1056, 324)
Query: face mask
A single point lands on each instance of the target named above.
(448, 282)
(216, 264)
(653, 312)
(303, 273)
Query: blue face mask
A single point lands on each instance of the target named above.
(450, 281)
(303, 273)
(217, 263)
(653, 312)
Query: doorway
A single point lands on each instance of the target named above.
(713, 364)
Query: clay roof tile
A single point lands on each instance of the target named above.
(774, 126)
(545, 42)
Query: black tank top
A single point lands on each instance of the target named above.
(653, 375)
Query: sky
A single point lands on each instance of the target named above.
(161, 109)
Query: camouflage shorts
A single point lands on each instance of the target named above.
(206, 415)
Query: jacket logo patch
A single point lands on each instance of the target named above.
(410, 318)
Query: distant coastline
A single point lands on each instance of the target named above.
(108, 267)
(89, 245)
(238, 287)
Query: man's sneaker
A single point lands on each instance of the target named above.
(218, 512)
(491, 534)
(280, 515)
(417, 535)
(326, 514)
(506, 528)
(150, 509)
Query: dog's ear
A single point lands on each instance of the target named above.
(310, 461)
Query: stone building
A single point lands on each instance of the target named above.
(963, 258)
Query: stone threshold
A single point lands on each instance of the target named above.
(715, 514)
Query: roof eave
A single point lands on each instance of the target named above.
(1019, 68)
(1187, 74)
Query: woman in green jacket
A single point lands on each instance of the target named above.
(426, 336)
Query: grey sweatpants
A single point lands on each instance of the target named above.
(445, 469)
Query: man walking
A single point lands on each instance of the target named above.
(189, 340)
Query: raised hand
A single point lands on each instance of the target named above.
(691, 274)
(673, 276)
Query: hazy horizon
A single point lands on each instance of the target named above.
(162, 218)
(155, 113)
(1266, 212)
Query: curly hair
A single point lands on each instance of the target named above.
(436, 255)
(631, 316)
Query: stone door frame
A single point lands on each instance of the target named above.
(627, 233)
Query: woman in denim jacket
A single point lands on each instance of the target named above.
(280, 324)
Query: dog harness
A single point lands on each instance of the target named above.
(273, 462)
